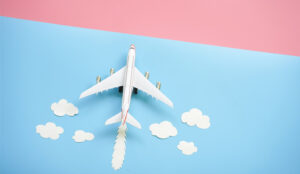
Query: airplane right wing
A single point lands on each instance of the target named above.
(113, 81)
(145, 85)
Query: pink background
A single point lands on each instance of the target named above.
(261, 25)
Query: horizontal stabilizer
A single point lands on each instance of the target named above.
(131, 120)
(114, 119)
(118, 118)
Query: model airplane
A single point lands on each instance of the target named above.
(128, 79)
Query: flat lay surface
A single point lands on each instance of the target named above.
(252, 100)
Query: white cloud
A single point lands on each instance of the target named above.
(49, 130)
(195, 117)
(64, 108)
(81, 136)
(164, 129)
(187, 148)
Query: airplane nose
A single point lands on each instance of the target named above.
(132, 46)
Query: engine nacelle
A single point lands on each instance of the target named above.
(158, 85)
(112, 71)
(98, 79)
(147, 75)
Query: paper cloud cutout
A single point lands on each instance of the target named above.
(81, 136)
(187, 148)
(64, 108)
(49, 130)
(195, 117)
(164, 129)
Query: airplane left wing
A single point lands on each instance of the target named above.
(113, 81)
(145, 85)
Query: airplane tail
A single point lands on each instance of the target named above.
(118, 118)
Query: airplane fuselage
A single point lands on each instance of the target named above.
(128, 83)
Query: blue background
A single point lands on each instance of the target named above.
(252, 99)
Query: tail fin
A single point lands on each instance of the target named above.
(118, 118)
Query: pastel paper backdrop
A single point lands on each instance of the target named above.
(260, 25)
(252, 100)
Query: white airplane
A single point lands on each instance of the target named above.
(128, 78)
